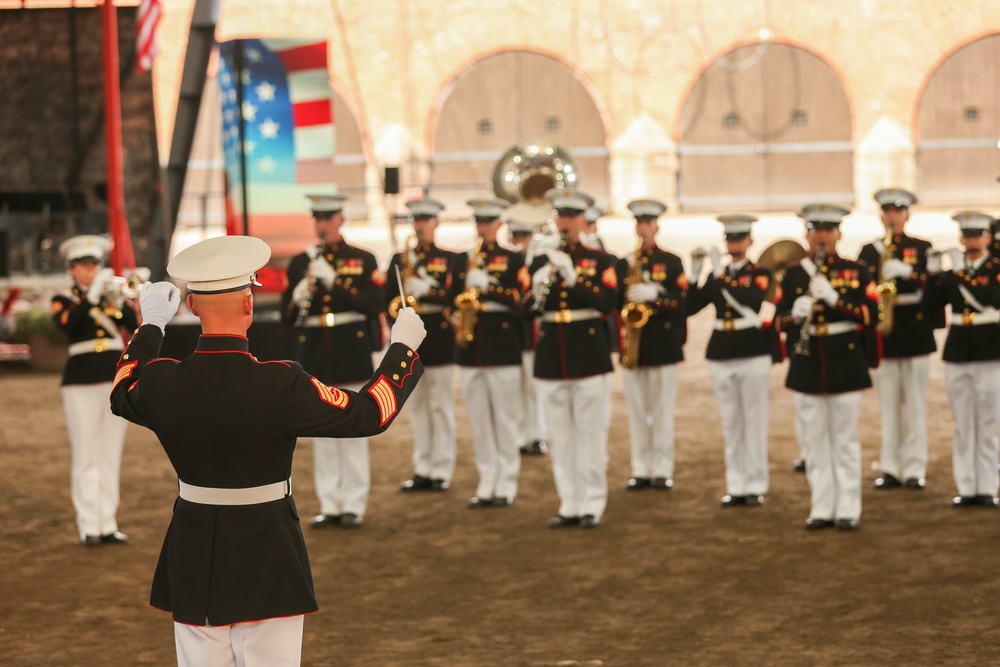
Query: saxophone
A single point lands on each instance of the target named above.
(634, 315)
(886, 289)
(802, 344)
(406, 271)
(468, 304)
(305, 303)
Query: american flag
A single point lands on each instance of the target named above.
(147, 18)
(288, 142)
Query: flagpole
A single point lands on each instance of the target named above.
(244, 185)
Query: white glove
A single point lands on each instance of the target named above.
(321, 270)
(988, 315)
(642, 292)
(100, 283)
(714, 256)
(540, 276)
(541, 244)
(301, 291)
(697, 261)
(933, 261)
(821, 288)
(408, 329)
(477, 279)
(564, 264)
(896, 268)
(957, 258)
(801, 308)
(158, 302)
(417, 287)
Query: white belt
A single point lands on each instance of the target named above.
(204, 495)
(95, 345)
(967, 320)
(494, 307)
(431, 308)
(567, 316)
(910, 299)
(334, 319)
(832, 329)
(737, 324)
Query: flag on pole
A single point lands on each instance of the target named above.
(147, 18)
(288, 135)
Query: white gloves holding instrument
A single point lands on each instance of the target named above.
(101, 280)
(158, 302)
(801, 308)
(820, 288)
(418, 287)
(477, 279)
(408, 329)
(321, 270)
(957, 257)
(896, 268)
(564, 264)
(642, 292)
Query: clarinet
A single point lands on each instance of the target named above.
(802, 344)
(538, 306)
(305, 303)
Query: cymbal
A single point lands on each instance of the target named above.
(779, 256)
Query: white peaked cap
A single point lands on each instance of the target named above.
(488, 208)
(326, 203)
(973, 220)
(85, 246)
(829, 214)
(568, 198)
(737, 223)
(424, 208)
(647, 208)
(221, 264)
(895, 197)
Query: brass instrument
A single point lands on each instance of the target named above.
(407, 270)
(802, 344)
(529, 170)
(124, 286)
(468, 304)
(886, 288)
(634, 315)
(305, 303)
(778, 257)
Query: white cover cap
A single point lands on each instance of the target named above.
(897, 197)
(221, 264)
(569, 199)
(647, 208)
(326, 203)
(737, 223)
(424, 208)
(526, 218)
(488, 209)
(86, 246)
(973, 220)
(823, 214)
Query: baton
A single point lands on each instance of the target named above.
(402, 294)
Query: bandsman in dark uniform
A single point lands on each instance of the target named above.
(97, 320)
(590, 236)
(334, 298)
(654, 283)
(827, 302)
(233, 570)
(995, 234)
(972, 357)
(576, 289)
(488, 288)
(426, 272)
(739, 359)
(901, 378)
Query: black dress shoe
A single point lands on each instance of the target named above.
(818, 524)
(799, 465)
(502, 501)
(589, 521)
(476, 502)
(536, 448)
(325, 520)
(847, 524)
(887, 481)
(964, 501)
(348, 520)
(439, 485)
(90, 541)
(987, 501)
(560, 521)
(915, 483)
(416, 483)
(663, 483)
(733, 501)
(637, 483)
(114, 538)
(755, 501)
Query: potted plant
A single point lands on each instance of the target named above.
(49, 349)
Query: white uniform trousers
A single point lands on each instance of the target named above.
(96, 438)
(576, 413)
(833, 459)
(342, 471)
(974, 394)
(800, 427)
(532, 418)
(741, 388)
(902, 391)
(492, 401)
(275, 642)
(432, 414)
(650, 395)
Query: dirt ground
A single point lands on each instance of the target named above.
(669, 578)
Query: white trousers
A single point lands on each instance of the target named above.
(96, 438)
(800, 428)
(741, 388)
(432, 414)
(342, 472)
(577, 414)
(902, 392)
(532, 418)
(833, 459)
(650, 396)
(974, 394)
(492, 400)
(275, 642)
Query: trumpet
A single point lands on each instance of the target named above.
(407, 270)
(802, 344)
(305, 303)
(126, 287)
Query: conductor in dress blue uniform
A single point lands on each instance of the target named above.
(488, 287)
(650, 354)
(827, 304)
(233, 570)
(972, 357)
(97, 323)
(432, 407)
(334, 298)
(575, 288)
(901, 378)
(739, 359)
